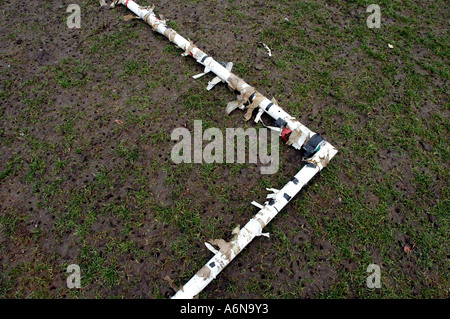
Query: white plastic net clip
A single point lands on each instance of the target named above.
(217, 79)
(257, 205)
(274, 193)
(211, 248)
(206, 71)
(265, 235)
(258, 116)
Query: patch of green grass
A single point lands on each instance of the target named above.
(130, 153)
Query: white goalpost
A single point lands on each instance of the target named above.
(317, 151)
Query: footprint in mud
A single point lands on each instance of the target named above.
(44, 58)
(160, 190)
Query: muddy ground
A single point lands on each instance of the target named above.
(86, 175)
